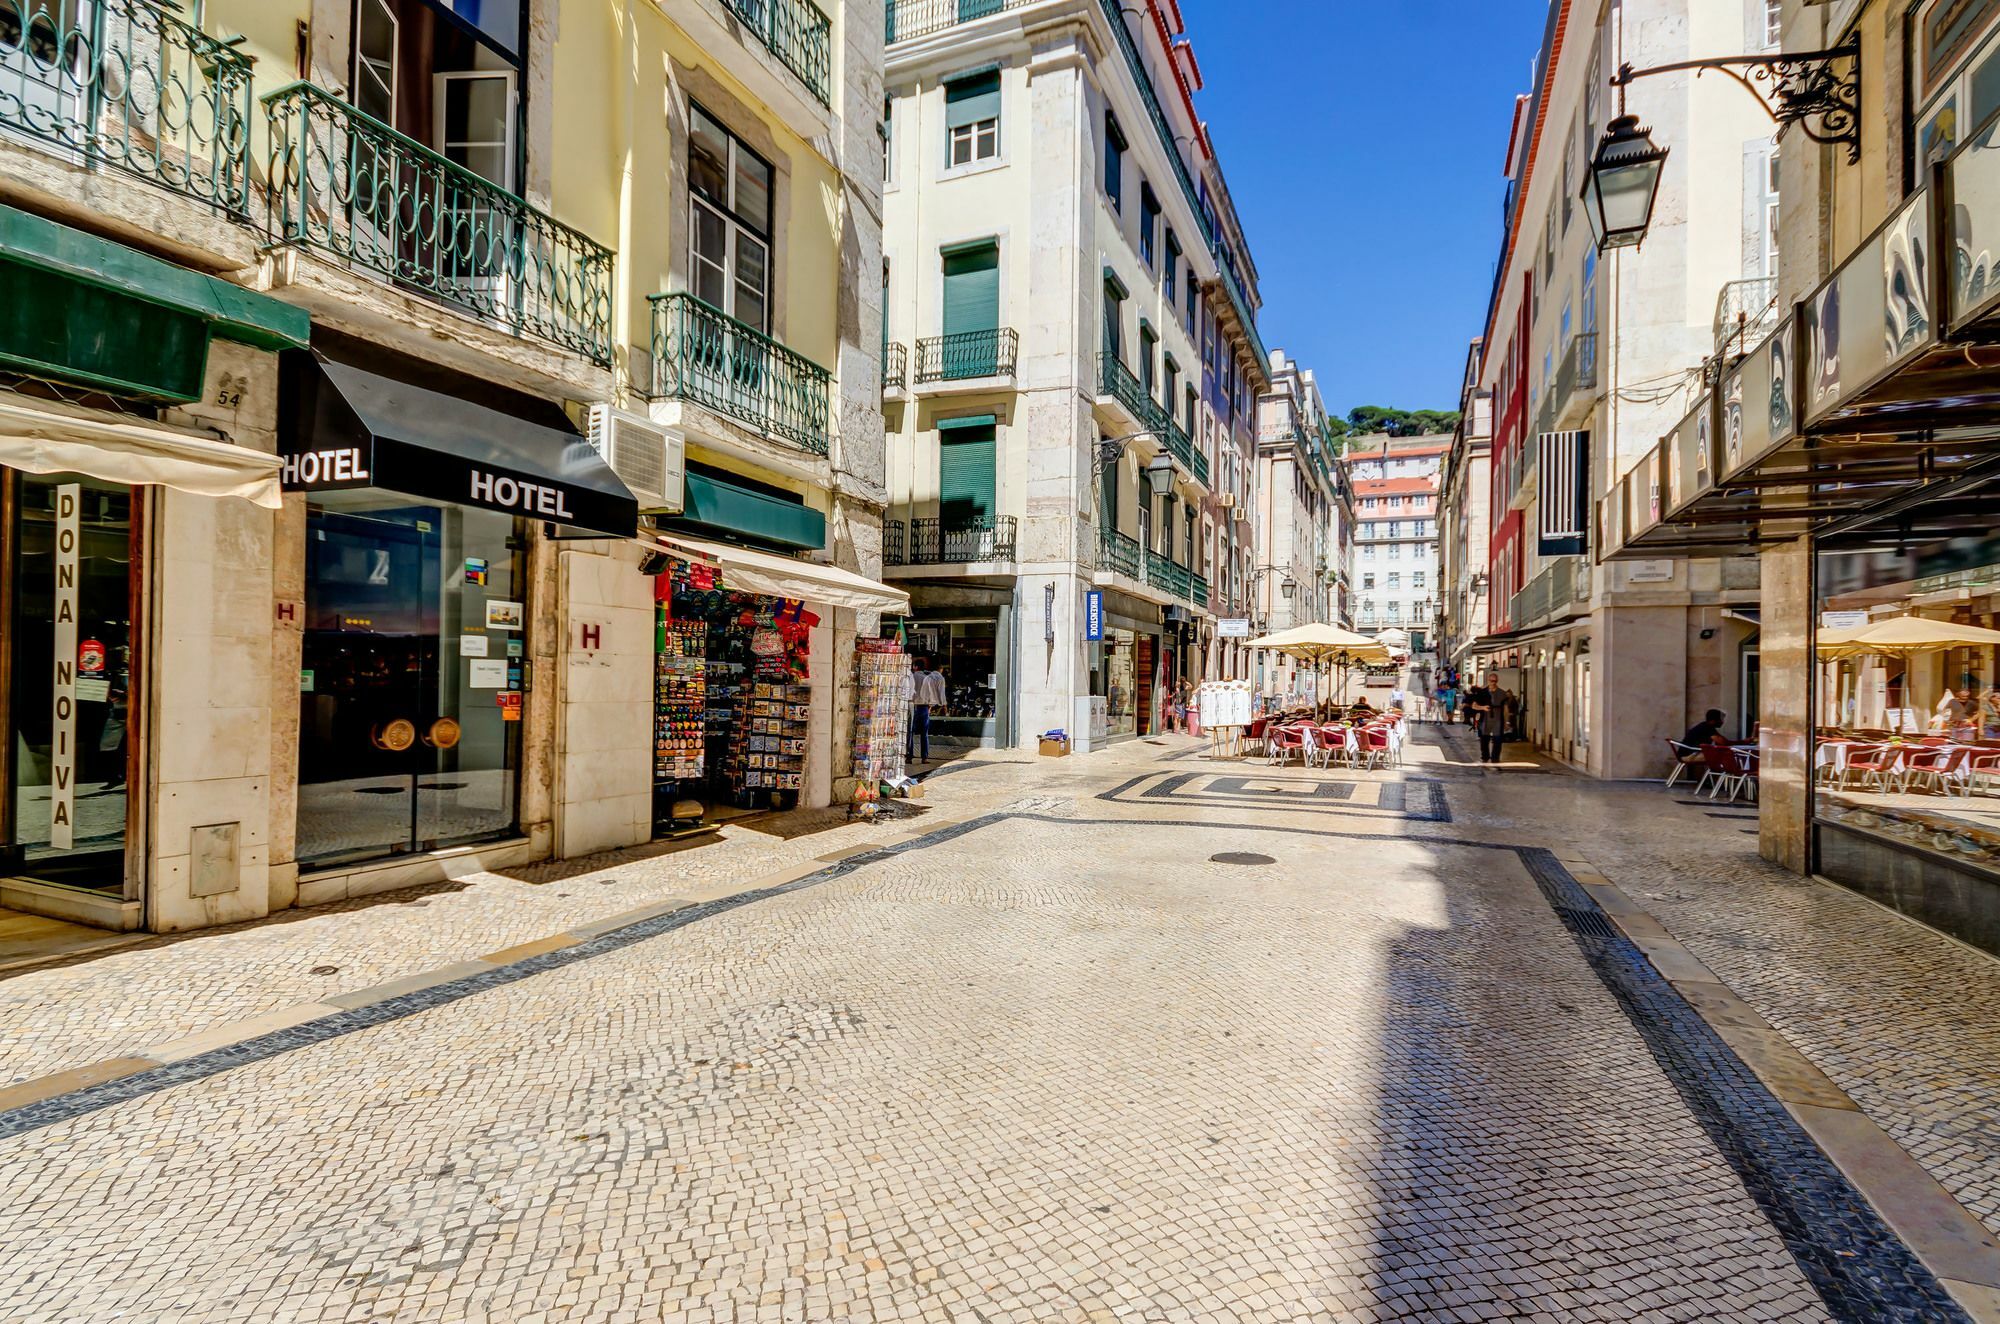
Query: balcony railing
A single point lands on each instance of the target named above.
(966, 355)
(934, 541)
(919, 18)
(1560, 586)
(1163, 573)
(349, 185)
(704, 355)
(895, 368)
(1119, 553)
(127, 84)
(1745, 312)
(1117, 381)
(1577, 377)
(894, 543)
(1198, 590)
(798, 33)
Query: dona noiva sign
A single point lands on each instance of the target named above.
(62, 735)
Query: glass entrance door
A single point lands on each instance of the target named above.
(68, 665)
(410, 680)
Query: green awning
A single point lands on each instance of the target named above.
(713, 503)
(78, 308)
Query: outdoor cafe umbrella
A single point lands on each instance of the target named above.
(1318, 643)
(1902, 636)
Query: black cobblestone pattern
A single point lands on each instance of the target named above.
(1414, 799)
(1861, 1269)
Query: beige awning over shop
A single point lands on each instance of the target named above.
(48, 437)
(782, 577)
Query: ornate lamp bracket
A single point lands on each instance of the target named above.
(1820, 91)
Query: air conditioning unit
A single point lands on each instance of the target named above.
(649, 459)
(1226, 501)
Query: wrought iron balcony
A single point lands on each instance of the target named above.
(705, 355)
(1561, 586)
(125, 83)
(967, 355)
(893, 542)
(895, 368)
(798, 33)
(1163, 573)
(1198, 590)
(1576, 379)
(906, 19)
(350, 186)
(1117, 381)
(936, 541)
(1119, 553)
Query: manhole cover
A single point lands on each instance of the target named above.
(325, 970)
(1240, 857)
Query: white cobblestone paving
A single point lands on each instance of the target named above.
(1061, 1067)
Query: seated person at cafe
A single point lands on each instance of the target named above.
(1708, 731)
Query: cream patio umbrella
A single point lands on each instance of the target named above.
(1902, 636)
(1319, 643)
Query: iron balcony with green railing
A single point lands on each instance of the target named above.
(895, 368)
(127, 84)
(1165, 573)
(702, 354)
(967, 355)
(1119, 553)
(346, 184)
(1116, 380)
(797, 32)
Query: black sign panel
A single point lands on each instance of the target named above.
(350, 428)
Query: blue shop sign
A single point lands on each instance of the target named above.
(1093, 616)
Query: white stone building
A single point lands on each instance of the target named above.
(1070, 364)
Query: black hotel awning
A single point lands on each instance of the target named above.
(350, 428)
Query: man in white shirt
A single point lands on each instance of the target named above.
(927, 693)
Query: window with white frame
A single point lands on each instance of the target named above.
(972, 118)
(729, 187)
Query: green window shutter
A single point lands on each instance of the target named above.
(966, 471)
(972, 310)
(972, 290)
(972, 99)
(1109, 497)
(971, 9)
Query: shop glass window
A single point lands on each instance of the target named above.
(972, 118)
(730, 230)
(412, 677)
(1903, 722)
(68, 550)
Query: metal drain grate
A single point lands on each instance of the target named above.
(1590, 922)
(1240, 857)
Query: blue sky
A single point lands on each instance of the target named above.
(1363, 141)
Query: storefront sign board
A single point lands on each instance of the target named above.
(1093, 616)
(1842, 620)
(62, 735)
(1234, 627)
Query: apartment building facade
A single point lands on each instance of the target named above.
(405, 364)
(1072, 361)
(1464, 488)
(1589, 359)
(1395, 482)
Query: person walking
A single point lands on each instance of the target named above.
(927, 692)
(1484, 711)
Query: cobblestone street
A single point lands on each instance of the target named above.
(1130, 1036)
